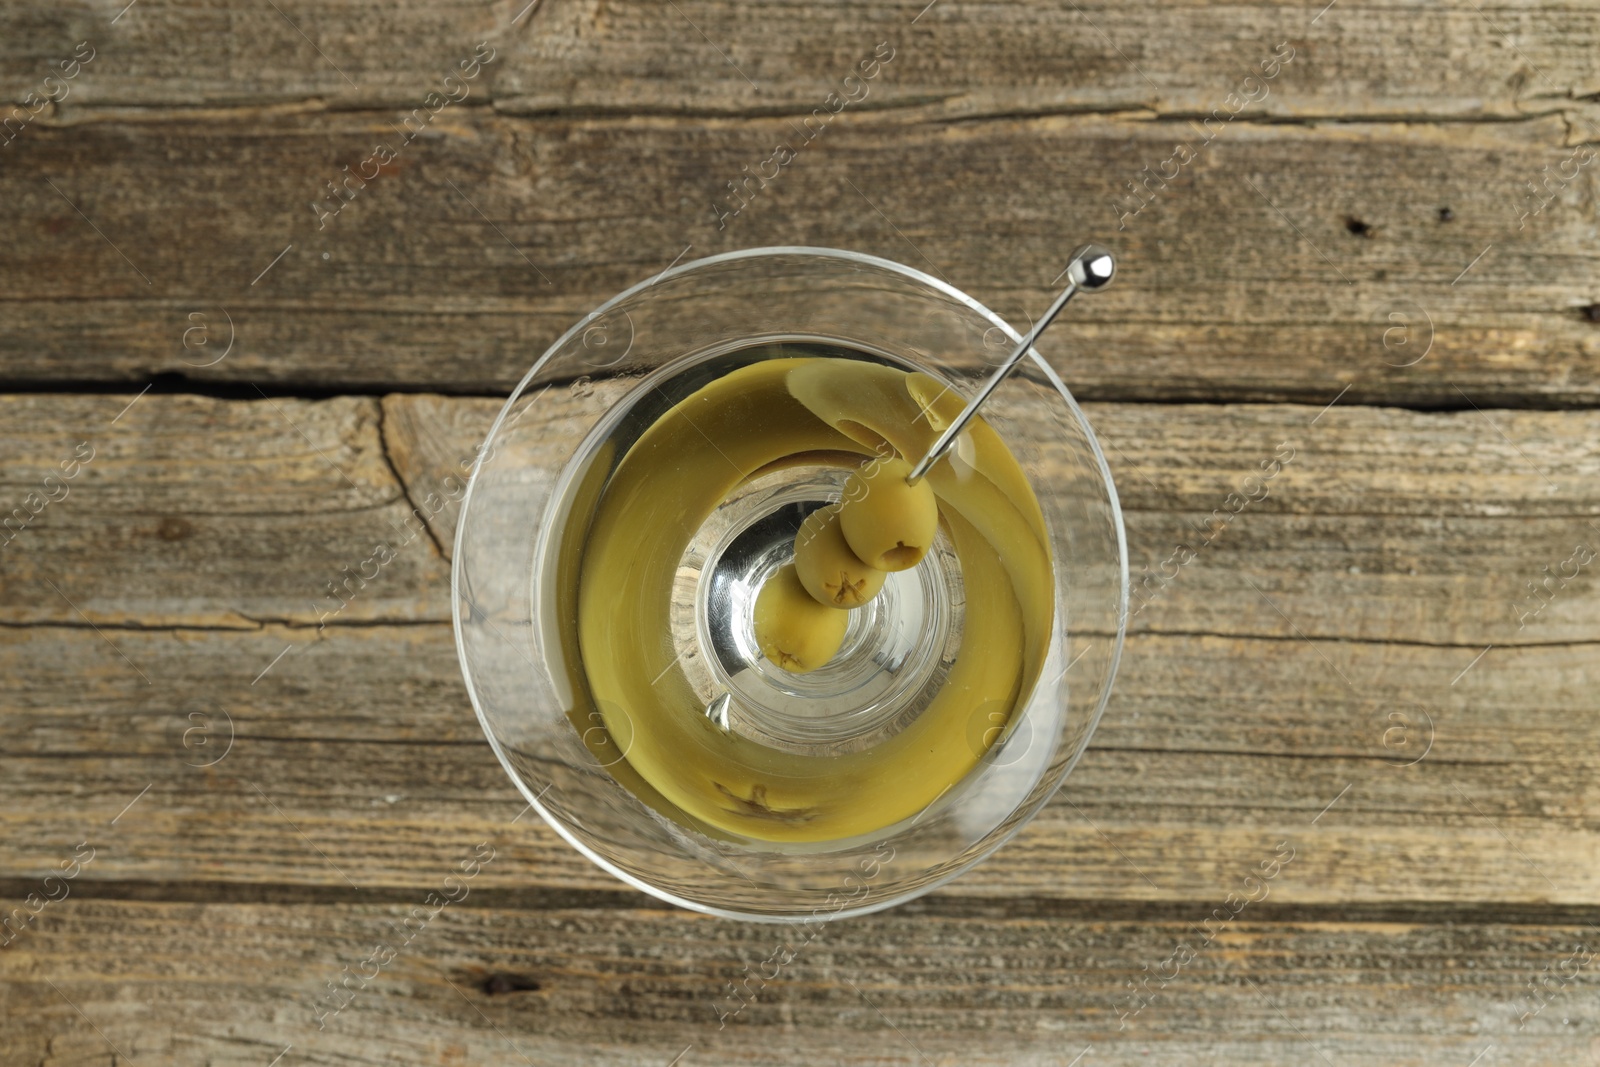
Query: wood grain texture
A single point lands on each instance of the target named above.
(203, 512)
(1385, 525)
(712, 57)
(273, 775)
(357, 762)
(490, 234)
(237, 984)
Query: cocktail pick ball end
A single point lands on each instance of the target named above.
(1092, 267)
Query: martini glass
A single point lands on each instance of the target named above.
(543, 476)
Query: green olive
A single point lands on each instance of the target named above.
(828, 569)
(887, 523)
(792, 628)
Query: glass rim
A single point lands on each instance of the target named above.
(815, 252)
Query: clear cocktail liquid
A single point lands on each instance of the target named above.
(662, 578)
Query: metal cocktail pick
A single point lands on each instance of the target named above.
(1090, 268)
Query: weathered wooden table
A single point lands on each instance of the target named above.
(268, 267)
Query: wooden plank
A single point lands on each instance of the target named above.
(711, 57)
(229, 984)
(204, 512)
(357, 762)
(1228, 291)
(207, 512)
